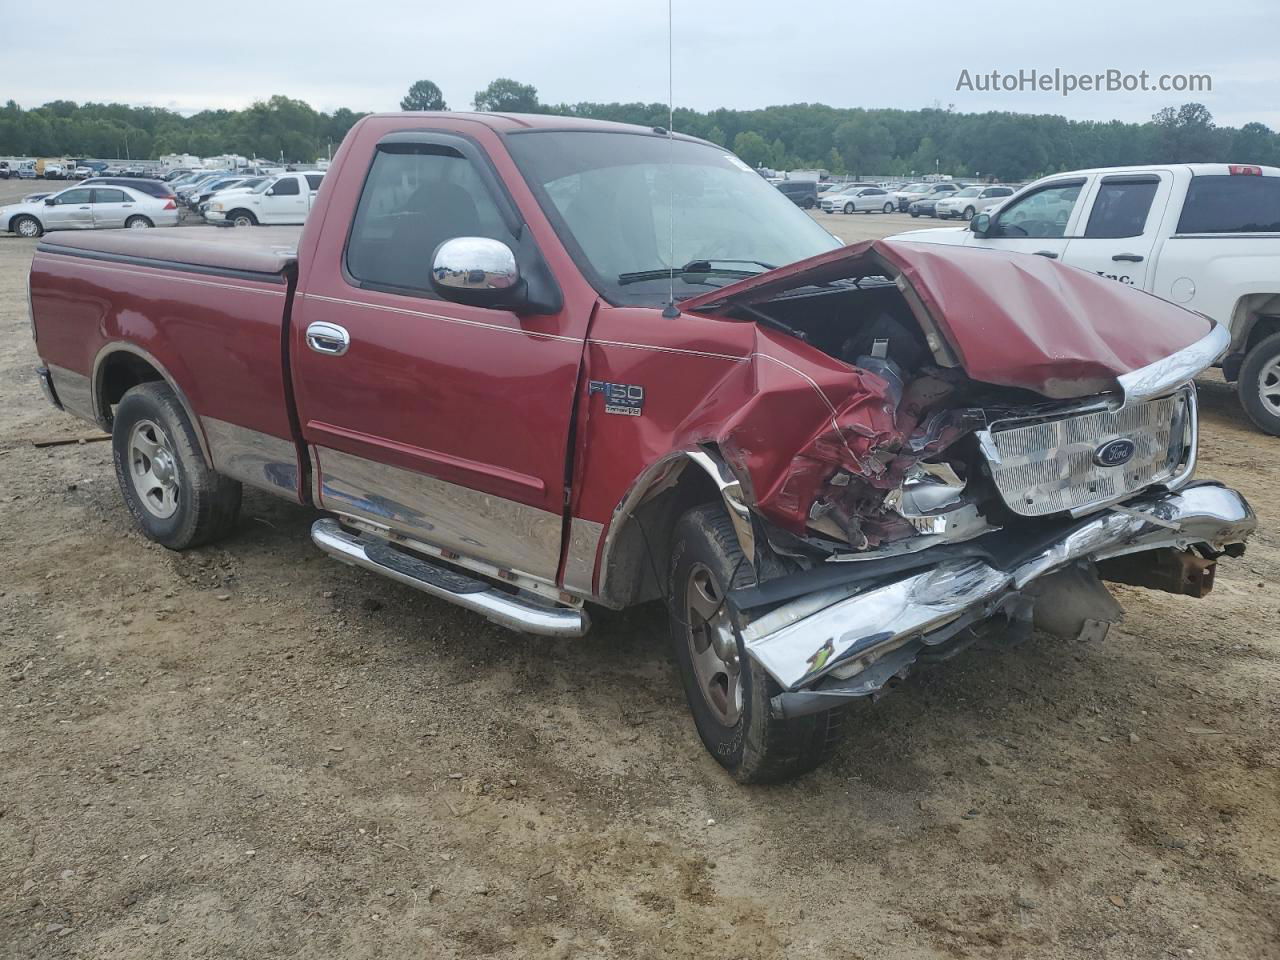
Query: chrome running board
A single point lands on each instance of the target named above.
(505, 609)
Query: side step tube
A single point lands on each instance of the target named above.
(503, 609)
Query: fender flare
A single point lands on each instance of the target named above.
(102, 415)
(665, 473)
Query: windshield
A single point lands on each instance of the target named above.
(968, 192)
(618, 200)
(264, 186)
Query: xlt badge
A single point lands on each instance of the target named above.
(626, 399)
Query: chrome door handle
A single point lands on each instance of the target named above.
(328, 338)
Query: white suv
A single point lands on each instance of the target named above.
(1203, 235)
(970, 201)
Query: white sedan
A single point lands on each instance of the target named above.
(89, 208)
(970, 201)
(855, 199)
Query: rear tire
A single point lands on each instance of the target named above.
(138, 223)
(27, 226)
(1259, 385)
(888, 208)
(176, 499)
(728, 693)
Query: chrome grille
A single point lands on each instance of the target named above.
(1049, 467)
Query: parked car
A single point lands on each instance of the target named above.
(1205, 236)
(984, 435)
(970, 201)
(859, 199)
(803, 193)
(4, 170)
(88, 208)
(26, 171)
(919, 191)
(925, 206)
(53, 171)
(247, 185)
(207, 190)
(82, 173)
(153, 188)
(280, 200)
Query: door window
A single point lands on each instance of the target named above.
(111, 196)
(74, 196)
(1231, 204)
(313, 180)
(1121, 207)
(285, 188)
(1042, 214)
(416, 197)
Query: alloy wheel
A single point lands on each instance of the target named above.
(713, 646)
(153, 469)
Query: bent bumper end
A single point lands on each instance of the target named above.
(847, 642)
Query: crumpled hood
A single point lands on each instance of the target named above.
(1011, 319)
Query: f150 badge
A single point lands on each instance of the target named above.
(626, 399)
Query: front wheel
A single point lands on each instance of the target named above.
(28, 227)
(848, 208)
(968, 213)
(173, 495)
(1259, 385)
(914, 214)
(728, 694)
(242, 218)
(138, 223)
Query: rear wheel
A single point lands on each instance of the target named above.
(888, 208)
(728, 694)
(1259, 385)
(27, 227)
(138, 223)
(176, 499)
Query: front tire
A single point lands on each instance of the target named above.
(848, 208)
(1259, 385)
(26, 226)
(242, 218)
(173, 495)
(969, 213)
(138, 223)
(728, 694)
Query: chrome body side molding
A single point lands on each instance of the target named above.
(580, 558)
(255, 458)
(503, 532)
(75, 391)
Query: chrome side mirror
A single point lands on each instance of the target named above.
(477, 270)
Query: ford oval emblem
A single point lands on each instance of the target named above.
(1114, 453)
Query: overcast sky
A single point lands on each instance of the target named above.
(732, 53)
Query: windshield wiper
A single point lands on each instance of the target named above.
(693, 266)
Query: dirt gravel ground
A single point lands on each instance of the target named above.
(251, 751)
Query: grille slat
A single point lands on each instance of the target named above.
(1048, 467)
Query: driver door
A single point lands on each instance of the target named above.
(71, 210)
(1040, 222)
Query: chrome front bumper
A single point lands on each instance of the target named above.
(848, 641)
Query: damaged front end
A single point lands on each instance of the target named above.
(971, 465)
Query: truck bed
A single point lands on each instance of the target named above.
(201, 308)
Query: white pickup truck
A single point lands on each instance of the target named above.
(1203, 235)
(287, 198)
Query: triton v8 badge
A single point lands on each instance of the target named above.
(1115, 453)
(626, 399)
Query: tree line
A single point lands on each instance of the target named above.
(1001, 145)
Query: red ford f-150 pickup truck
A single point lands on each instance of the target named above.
(531, 363)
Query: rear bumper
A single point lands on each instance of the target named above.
(849, 641)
